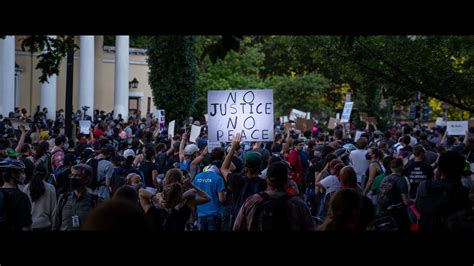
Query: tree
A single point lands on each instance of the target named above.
(54, 49)
(303, 92)
(441, 67)
(173, 76)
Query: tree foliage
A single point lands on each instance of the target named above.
(173, 75)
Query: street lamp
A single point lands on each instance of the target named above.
(133, 84)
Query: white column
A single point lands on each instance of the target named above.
(48, 95)
(121, 76)
(86, 73)
(7, 75)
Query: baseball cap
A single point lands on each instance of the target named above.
(11, 152)
(253, 159)
(129, 152)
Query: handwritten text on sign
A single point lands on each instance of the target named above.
(248, 112)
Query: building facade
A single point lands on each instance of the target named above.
(102, 78)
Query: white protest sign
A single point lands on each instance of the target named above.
(338, 116)
(296, 113)
(285, 119)
(206, 117)
(456, 127)
(85, 126)
(358, 134)
(195, 131)
(17, 123)
(171, 128)
(308, 115)
(346, 113)
(248, 112)
(212, 145)
(440, 122)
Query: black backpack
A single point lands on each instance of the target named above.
(389, 193)
(95, 183)
(4, 203)
(118, 178)
(272, 214)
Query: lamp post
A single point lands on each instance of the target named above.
(69, 83)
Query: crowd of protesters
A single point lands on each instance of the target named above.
(131, 175)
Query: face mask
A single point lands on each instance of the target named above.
(75, 183)
(368, 157)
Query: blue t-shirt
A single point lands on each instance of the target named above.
(211, 183)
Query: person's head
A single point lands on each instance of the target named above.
(134, 180)
(253, 162)
(87, 153)
(277, 176)
(451, 165)
(348, 177)
(80, 176)
(173, 176)
(128, 193)
(129, 156)
(344, 211)
(374, 154)
(116, 215)
(406, 140)
(172, 195)
(108, 151)
(396, 166)
(12, 153)
(419, 151)
(42, 148)
(387, 135)
(191, 151)
(61, 141)
(149, 151)
(299, 144)
(69, 159)
(13, 171)
(407, 130)
(361, 143)
(217, 154)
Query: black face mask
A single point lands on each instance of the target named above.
(368, 157)
(75, 183)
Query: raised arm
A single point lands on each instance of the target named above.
(225, 168)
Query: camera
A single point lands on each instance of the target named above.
(85, 108)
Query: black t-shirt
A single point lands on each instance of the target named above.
(416, 172)
(236, 184)
(147, 168)
(18, 209)
(171, 160)
(367, 214)
(162, 220)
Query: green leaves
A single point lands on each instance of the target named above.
(173, 75)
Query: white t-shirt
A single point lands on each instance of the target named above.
(331, 184)
(359, 162)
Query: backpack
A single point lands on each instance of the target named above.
(435, 202)
(272, 214)
(389, 193)
(118, 178)
(95, 183)
(53, 179)
(248, 188)
(4, 203)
